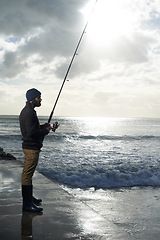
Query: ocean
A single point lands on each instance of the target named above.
(94, 153)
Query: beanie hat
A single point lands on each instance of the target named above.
(32, 93)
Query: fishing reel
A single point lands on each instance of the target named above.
(55, 126)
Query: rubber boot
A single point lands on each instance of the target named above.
(28, 204)
(35, 200)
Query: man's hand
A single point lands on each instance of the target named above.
(47, 126)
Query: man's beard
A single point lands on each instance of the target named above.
(36, 103)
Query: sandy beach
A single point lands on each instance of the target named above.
(122, 214)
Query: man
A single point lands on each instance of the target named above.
(33, 135)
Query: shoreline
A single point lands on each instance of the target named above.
(126, 214)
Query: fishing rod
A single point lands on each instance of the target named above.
(69, 67)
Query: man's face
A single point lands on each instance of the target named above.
(37, 101)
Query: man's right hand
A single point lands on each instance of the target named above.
(47, 126)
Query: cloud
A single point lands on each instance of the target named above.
(37, 42)
(11, 66)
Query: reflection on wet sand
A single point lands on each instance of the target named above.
(26, 225)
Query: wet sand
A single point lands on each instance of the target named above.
(122, 214)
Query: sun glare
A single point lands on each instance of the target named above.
(109, 20)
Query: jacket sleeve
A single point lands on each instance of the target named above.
(33, 127)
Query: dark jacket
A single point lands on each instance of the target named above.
(33, 133)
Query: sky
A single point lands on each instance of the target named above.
(116, 72)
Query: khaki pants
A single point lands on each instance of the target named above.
(30, 163)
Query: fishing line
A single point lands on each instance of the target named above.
(71, 62)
